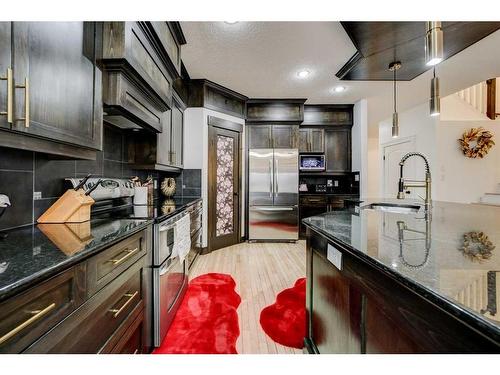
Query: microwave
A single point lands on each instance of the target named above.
(312, 162)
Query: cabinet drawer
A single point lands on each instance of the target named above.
(129, 336)
(105, 266)
(26, 317)
(313, 200)
(89, 328)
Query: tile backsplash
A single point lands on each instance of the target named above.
(24, 172)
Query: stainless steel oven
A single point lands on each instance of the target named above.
(169, 277)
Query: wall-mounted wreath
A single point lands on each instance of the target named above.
(477, 246)
(482, 139)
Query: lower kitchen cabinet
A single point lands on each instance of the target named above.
(100, 305)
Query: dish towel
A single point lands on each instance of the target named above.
(182, 238)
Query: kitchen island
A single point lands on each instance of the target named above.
(390, 279)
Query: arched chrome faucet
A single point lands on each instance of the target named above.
(405, 184)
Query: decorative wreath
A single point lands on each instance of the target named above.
(168, 187)
(476, 246)
(483, 139)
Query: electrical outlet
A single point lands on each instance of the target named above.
(37, 195)
(356, 177)
(336, 183)
(334, 256)
(37, 250)
(155, 184)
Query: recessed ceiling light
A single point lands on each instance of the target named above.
(231, 22)
(339, 89)
(303, 73)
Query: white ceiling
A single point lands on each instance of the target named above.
(261, 60)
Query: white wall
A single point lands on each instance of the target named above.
(196, 155)
(453, 108)
(455, 178)
(417, 124)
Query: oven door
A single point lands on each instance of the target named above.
(169, 284)
(164, 243)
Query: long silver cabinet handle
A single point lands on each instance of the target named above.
(26, 88)
(10, 102)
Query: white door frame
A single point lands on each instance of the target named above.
(411, 139)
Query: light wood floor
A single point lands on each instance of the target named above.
(261, 271)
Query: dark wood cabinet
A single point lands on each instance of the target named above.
(273, 136)
(328, 114)
(335, 304)
(285, 136)
(338, 150)
(177, 134)
(100, 305)
(165, 150)
(311, 140)
(5, 70)
(26, 317)
(57, 87)
(208, 94)
(260, 136)
(275, 110)
(137, 82)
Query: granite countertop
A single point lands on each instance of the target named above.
(33, 253)
(426, 254)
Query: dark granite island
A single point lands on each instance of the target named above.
(381, 281)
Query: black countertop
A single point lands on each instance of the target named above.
(427, 255)
(34, 253)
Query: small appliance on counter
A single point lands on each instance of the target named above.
(312, 163)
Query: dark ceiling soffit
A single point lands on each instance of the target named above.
(358, 56)
(349, 65)
(277, 101)
(179, 34)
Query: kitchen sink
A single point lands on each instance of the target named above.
(395, 208)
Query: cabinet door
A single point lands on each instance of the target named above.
(5, 64)
(164, 143)
(303, 140)
(259, 136)
(55, 61)
(285, 136)
(317, 140)
(338, 150)
(334, 310)
(177, 136)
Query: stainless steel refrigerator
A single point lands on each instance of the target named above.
(273, 194)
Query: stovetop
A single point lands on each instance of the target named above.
(160, 210)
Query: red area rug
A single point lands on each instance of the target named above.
(207, 321)
(285, 320)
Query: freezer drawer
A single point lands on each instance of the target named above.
(273, 223)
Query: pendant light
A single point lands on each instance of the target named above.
(433, 43)
(394, 67)
(435, 101)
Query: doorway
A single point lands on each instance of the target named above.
(224, 183)
(392, 154)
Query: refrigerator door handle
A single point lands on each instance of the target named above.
(272, 208)
(271, 175)
(276, 176)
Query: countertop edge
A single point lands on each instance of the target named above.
(438, 300)
(24, 284)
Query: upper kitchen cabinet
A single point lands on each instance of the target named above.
(272, 136)
(311, 140)
(338, 150)
(328, 114)
(55, 97)
(5, 75)
(275, 110)
(208, 94)
(177, 133)
(141, 60)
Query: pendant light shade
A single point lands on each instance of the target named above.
(433, 43)
(394, 67)
(435, 100)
